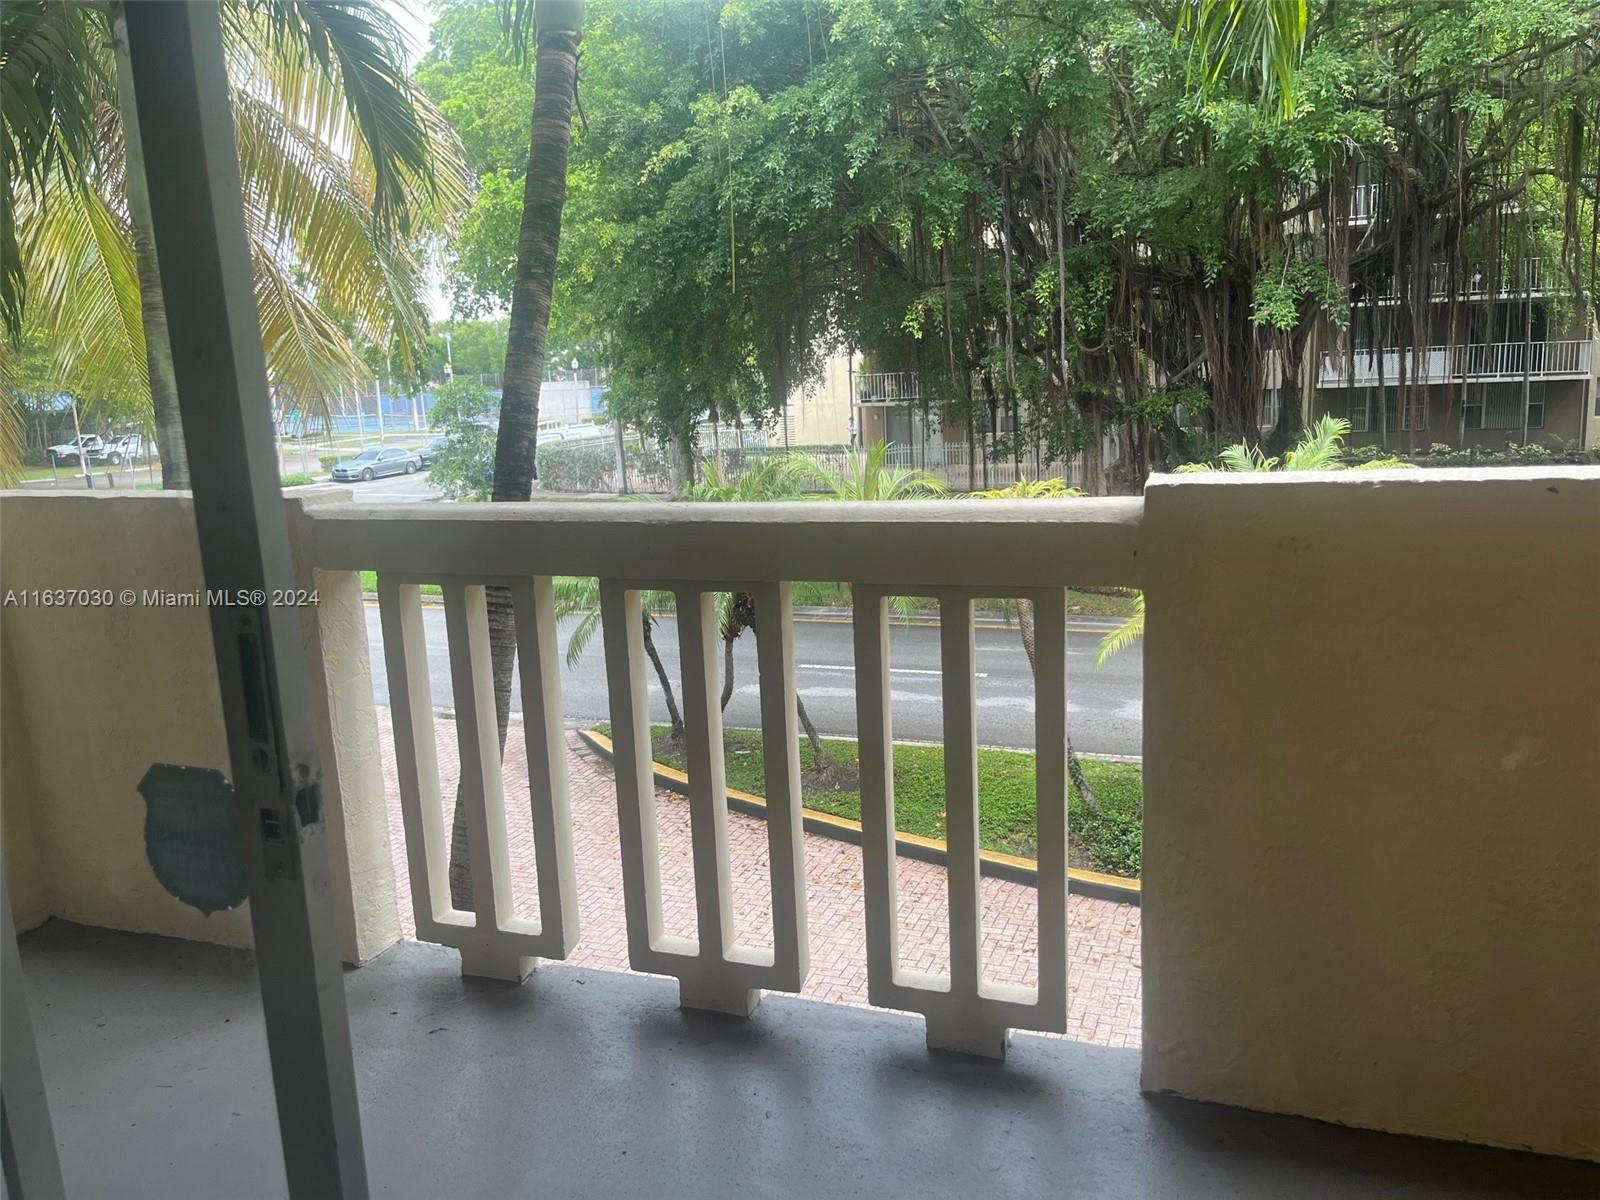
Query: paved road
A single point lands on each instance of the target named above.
(1104, 707)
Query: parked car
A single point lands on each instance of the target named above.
(431, 449)
(90, 447)
(371, 463)
(130, 447)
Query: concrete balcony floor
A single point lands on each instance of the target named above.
(592, 1083)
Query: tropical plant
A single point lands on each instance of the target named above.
(771, 478)
(579, 596)
(866, 476)
(347, 169)
(1256, 40)
(1322, 449)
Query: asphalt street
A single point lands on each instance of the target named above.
(1104, 710)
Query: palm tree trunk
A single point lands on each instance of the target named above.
(152, 308)
(666, 683)
(1074, 767)
(727, 670)
(544, 194)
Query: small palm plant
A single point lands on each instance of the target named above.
(867, 477)
(1322, 449)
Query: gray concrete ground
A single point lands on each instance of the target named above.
(586, 1083)
(1104, 709)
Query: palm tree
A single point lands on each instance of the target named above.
(579, 595)
(346, 167)
(556, 27)
(1041, 489)
(1320, 450)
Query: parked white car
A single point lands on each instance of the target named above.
(130, 448)
(90, 447)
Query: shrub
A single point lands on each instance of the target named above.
(577, 466)
(464, 469)
(298, 479)
(328, 461)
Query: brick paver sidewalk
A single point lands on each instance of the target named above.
(1103, 940)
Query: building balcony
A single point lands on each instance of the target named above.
(1441, 364)
(1529, 277)
(1337, 919)
(888, 387)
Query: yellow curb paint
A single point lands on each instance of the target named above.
(666, 774)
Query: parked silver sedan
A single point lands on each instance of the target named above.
(376, 461)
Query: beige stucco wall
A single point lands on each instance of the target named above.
(819, 415)
(93, 696)
(19, 838)
(1372, 799)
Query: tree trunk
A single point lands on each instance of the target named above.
(819, 753)
(170, 448)
(538, 239)
(1074, 767)
(666, 683)
(727, 668)
(682, 462)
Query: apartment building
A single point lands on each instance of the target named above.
(1504, 360)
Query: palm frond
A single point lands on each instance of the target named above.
(1243, 457)
(52, 77)
(357, 46)
(1321, 449)
(84, 293)
(1234, 38)
(1124, 635)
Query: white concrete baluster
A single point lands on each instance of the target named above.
(1050, 801)
(875, 737)
(780, 748)
(479, 791)
(964, 1012)
(539, 666)
(714, 971)
(411, 710)
(493, 941)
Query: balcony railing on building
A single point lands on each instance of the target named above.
(888, 387)
(1525, 277)
(1439, 364)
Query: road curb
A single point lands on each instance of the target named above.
(1093, 884)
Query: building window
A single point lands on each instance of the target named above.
(1360, 413)
(1498, 406)
(1271, 402)
(1415, 415)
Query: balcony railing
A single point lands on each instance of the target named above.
(1439, 364)
(1527, 277)
(1015, 549)
(888, 387)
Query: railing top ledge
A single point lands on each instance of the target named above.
(1545, 473)
(975, 543)
(1092, 510)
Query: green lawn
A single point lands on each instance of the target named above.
(1111, 603)
(1108, 841)
(369, 584)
